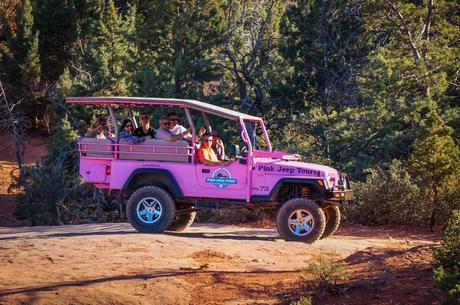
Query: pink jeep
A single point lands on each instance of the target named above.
(166, 185)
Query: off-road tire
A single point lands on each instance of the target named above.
(182, 222)
(168, 209)
(294, 205)
(333, 217)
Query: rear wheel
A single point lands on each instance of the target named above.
(300, 219)
(150, 209)
(332, 213)
(182, 222)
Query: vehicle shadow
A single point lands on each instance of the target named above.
(210, 231)
(144, 276)
(243, 235)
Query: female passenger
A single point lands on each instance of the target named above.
(126, 133)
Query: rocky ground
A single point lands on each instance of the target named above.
(209, 264)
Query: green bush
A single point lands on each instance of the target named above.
(447, 260)
(302, 301)
(55, 192)
(387, 197)
(325, 270)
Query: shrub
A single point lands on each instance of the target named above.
(447, 259)
(326, 269)
(302, 301)
(56, 193)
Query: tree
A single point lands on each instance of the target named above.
(105, 55)
(20, 62)
(177, 41)
(249, 49)
(323, 44)
(410, 66)
(435, 159)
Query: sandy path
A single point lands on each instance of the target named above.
(208, 264)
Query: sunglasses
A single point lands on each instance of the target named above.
(208, 140)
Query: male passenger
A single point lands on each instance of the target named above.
(176, 128)
(165, 133)
(144, 130)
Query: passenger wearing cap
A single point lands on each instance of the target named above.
(218, 146)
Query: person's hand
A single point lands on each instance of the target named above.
(202, 131)
(189, 130)
(220, 143)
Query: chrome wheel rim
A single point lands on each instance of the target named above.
(149, 210)
(301, 222)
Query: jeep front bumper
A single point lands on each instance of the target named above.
(339, 196)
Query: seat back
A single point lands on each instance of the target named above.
(154, 150)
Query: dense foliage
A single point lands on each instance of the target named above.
(369, 87)
(447, 259)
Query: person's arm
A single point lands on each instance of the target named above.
(181, 135)
(222, 150)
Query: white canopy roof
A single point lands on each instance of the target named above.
(192, 104)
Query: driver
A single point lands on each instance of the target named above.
(205, 154)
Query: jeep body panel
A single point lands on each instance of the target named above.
(258, 176)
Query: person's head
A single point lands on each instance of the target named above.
(145, 119)
(164, 122)
(206, 140)
(215, 136)
(100, 124)
(173, 119)
(127, 125)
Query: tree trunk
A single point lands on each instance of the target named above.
(434, 208)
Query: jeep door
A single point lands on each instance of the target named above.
(223, 177)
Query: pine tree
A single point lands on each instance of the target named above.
(177, 43)
(20, 62)
(435, 160)
(108, 53)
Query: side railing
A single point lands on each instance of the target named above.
(147, 151)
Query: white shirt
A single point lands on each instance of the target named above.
(179, 129)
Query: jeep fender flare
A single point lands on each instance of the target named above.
(155, 176)
(312, 182)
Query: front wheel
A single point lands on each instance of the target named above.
(300, 219)
(150, 209)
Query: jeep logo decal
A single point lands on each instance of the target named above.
(221, 177)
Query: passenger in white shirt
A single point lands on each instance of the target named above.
(165, 133)
(177, 129)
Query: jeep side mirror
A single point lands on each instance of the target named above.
(234, 150)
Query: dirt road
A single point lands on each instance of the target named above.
(208, 264)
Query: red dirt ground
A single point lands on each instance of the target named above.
(209, 264)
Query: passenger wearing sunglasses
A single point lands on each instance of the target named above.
(205, 154)
(126, 133)
(165, 133)
(144, 130)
